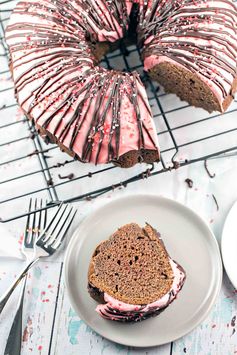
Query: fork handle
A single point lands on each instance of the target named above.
(5, 297)
(13, 346)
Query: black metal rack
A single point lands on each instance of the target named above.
(43, 167)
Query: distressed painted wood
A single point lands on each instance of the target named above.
(62, 332)
(217, 334)
(75, 337)
(39, 308)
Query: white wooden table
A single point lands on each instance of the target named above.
(52, 327)
(50, 324)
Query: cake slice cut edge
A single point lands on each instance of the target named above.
(140, 302)
(190, 87)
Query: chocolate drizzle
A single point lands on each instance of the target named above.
(199, 35)
(59, 84)
(139, 312)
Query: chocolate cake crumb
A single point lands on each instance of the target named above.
(233, 320)
(58, 165)
(32, 135)
(189, 183)
(146, 174)
(208, 171)
(50, 182)
(187, 86)
(130, 254)
(176, 164)
(46, 138)
(215, 200)
(69, 176)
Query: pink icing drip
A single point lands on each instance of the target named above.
(129, 132)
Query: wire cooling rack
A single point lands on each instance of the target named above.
(29, 167)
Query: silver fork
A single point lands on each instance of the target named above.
(34, 224)
(48, 242)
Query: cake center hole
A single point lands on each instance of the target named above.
(120, 55)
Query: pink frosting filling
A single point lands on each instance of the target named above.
(117, 305)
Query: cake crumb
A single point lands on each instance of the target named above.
(189, 183)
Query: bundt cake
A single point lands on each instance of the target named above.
(132, 276)
(190, 47)
(99, 115)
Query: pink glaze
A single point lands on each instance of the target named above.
(43, 75)
(31, 73)
(153, 60)
(58, 69)
(224, 50)
(112, 303)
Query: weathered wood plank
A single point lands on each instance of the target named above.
(39, 304)
(39, 307)
(217, 334)
(75, 337)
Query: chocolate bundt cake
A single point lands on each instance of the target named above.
(98, 115)
(132, 276)
(190, 47)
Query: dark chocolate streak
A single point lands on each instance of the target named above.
(66, 36)
(133, 316)
(64, 72)
(175, 18)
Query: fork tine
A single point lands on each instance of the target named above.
(40, 217)
(26, 234)
(45, 215)
(57, 224)
(28, 217)
(56, 241)
(33, 230)
(61, 225)
(34, 221)
(46, 230)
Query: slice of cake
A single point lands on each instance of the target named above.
(132, 276)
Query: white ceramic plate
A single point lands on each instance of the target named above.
(229, 245)
(189, 241)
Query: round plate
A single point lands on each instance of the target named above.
(229, 245)
(189, 241)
